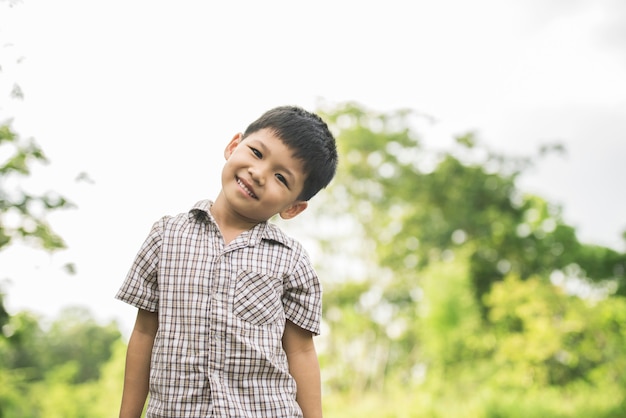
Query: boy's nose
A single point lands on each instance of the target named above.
(257, 175)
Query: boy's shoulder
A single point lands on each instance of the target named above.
(274, 233)
(201, 206)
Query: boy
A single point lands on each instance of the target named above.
(227, 303)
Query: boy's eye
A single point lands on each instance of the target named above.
(256, 152)
(282, 179)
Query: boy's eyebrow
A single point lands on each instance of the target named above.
(266, 150)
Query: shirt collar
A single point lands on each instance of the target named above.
(201, 211)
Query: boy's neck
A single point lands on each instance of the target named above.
(230, 224)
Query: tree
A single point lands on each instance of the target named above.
(59, 369)
(76, 337)
(428, 203)
(565, 338)
(22, 217)
(399, 212)
(22, 214)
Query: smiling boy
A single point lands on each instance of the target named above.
(227, 303)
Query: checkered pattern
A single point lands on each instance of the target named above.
(222, 312)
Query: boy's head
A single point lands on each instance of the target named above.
(308, 136)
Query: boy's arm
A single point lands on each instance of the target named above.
(137, 373)
(304, 367)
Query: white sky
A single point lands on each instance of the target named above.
(144, 95)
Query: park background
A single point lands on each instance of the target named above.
(132, 103)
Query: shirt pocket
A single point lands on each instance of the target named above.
(258, 299)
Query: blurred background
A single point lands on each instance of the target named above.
(471, 247)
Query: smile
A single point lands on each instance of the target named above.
(245, 188)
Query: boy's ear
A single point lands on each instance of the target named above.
(230, 148)
(294, 210)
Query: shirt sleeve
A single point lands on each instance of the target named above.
(140, 288)
(302, 296)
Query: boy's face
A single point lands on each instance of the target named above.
(261, 177)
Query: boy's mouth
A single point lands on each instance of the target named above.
(246, 189)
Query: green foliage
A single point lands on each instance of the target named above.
(446, 281)
(4, 315)
(23, 346)
(26, 210)
(108, 388)
(59, 396)
(542, 353)
(566, 340)
(43, 372)
(428, 202)
(71, 369)
(74, 338)
(449, 326)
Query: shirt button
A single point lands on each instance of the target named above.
(252, 242)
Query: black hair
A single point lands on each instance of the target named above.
(308, 136)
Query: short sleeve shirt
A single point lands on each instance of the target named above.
(222, 311)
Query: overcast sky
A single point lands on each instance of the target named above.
(143, 96)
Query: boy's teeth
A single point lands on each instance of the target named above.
(243, 186)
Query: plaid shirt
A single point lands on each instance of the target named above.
(222, 311)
